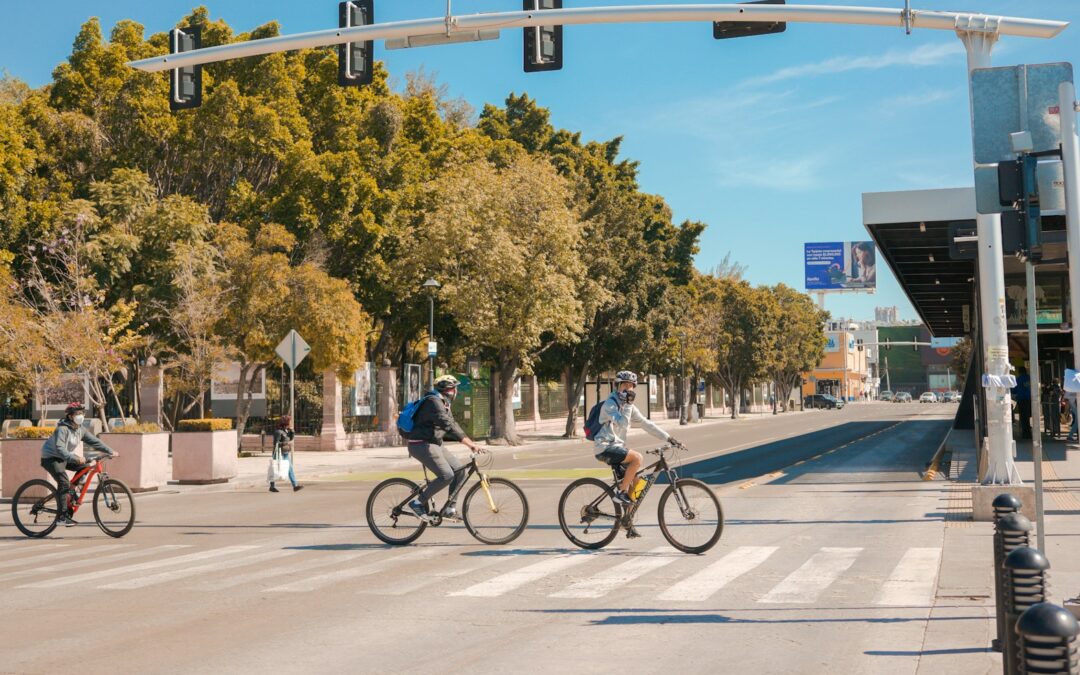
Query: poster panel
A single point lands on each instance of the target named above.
(412, 382)
(72, 388)
(839, 265)
(364, 391)
(225, 382)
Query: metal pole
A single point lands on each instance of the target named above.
(431, 338)
(1036, 405)
(1070, 160)
(979, 38)
(682, 382)
(888, 383)
(292, 383)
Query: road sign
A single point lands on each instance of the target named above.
(293, 349)
(432, 348)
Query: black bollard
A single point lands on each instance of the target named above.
(1011, 531)
(1048, 640)
(1025, 586)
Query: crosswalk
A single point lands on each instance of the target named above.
(759, 575)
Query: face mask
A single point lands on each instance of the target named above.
(627, 396)
(78, 420)
(450, 394)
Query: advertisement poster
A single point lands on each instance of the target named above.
(516, 398)
(364, 391)
(226, 382)
(72, 388)
(652, 389)
(412, 382)
(840, 265)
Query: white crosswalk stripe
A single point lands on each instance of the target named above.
(703, 584)
(510, 581)
(602, 583)
(68, 552)
(283, 570)
(322, 580)
(86, 562)
(128, 569)
(913, 581)
(805, 584)
(185, 572)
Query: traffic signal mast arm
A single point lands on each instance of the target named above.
(871, 16)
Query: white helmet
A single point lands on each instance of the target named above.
(625, 376)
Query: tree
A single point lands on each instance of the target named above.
(28, 366)
(961, 360)
(503, 243)
(800, 329)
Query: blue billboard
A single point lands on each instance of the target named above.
(838, 265)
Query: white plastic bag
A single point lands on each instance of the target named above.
(278, 470)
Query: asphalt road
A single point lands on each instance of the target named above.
(827, 564)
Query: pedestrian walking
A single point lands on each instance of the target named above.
(1022, 395)
(1055, 408)
(283, 447)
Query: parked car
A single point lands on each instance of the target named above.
(951, 397)
(928, 397)
(885, 396)
(822, 401)
(902, 397)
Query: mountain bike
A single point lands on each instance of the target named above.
(36, 504)
(691, 518)
(494, 510)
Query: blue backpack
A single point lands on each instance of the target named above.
(592, 422)
(405, 417)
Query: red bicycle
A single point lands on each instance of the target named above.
(36, 505)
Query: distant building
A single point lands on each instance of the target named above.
(844, 372)
(886, 316)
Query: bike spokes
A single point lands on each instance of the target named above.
(588, 515)
(690, 516)
(35, 509)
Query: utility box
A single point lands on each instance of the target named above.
(472, 406)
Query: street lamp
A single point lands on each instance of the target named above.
(431, 285)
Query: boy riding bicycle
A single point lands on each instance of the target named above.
(58, 455)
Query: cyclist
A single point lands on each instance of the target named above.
(616, 415)
(58, 456)
(432, 424)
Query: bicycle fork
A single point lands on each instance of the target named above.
(487, 492)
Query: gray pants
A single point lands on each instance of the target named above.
(447, 469)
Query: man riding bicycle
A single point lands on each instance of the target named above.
(433, 423)
(616, 415)
(58, 455)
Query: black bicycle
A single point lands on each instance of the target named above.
(494, 510)
(691, 518)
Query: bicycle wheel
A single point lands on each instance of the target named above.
(34, 508)
(500, 520)
(693, 521)
(588, 513)
(114, 508)
(389, 515)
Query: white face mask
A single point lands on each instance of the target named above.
(78, 420)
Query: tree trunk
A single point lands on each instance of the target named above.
(505, 427)
(382, 344)
(243, 396)
(736, 399)
(573, 397)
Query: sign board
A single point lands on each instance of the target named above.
(364, 390)
(515, 397)
(652, 389)
(292, 349)
(225, 382)
(832, 342)
(433, 348)
(72, 388)
(412, 382)
(1011, 99)
(839, 265)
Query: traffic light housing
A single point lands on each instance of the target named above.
(1018, 188)
(543, 44)
(185, 84)
(723, 30)
(356, 60)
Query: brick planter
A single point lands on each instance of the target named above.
(143, 463)
(20, 461)
(201, 457)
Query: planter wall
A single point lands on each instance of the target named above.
(201, 457)
(143, 463)
(20, 461)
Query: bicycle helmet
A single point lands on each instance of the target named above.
(446, 382)
(625, 376)
(73, 408)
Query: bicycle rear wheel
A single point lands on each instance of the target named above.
(34, 508)
(690, 516)
(500, 520)
(389, 515)
(114, 508)
(588, 513)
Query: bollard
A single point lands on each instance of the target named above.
(1024, 573)
(1048, 640)
(1010, 532)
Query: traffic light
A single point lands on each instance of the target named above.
(185, 84)
(543, 44)
(722, 30)
(1018, 188)
(356, 59)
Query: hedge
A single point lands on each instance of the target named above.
(140, 428)
(214, 424)
(26, 433)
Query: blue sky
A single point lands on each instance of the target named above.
(770, 140)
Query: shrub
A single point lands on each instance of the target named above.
(26, 433)
(140, 428)
(214, 424)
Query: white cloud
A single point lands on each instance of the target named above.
(787, 174)
(915, 99)
(923, 55)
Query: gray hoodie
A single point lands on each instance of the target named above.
(62, 443)
(616, 419)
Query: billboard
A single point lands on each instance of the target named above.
(838, 265)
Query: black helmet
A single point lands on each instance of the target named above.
(73, 408)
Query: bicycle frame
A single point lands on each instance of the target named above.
(472, 469)
(88, 473)
(650, 474)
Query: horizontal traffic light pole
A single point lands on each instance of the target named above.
(867, 16)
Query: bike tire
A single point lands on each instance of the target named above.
(711, 525)
(572, 523)
(381, 520)
(115, 519)
(48, 523)
(480, 519)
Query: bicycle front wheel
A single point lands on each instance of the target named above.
(588, 513)
(497, 515)
(114, 508)
(690, 516)
(34, 508)
(389, 515)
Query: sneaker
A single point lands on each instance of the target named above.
(66, 521)
(632, 533)
(273, 488)
(450, 512)
(297, 488)
(622, 498)
(420, 510)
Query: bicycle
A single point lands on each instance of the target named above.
(590, 516)
(498, 518)
(35, 506)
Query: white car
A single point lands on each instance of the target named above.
(928, 397)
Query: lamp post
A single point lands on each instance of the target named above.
(431, 285)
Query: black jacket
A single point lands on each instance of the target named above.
(434, 422)
(282, 437)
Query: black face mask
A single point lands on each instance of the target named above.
(627, 396)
